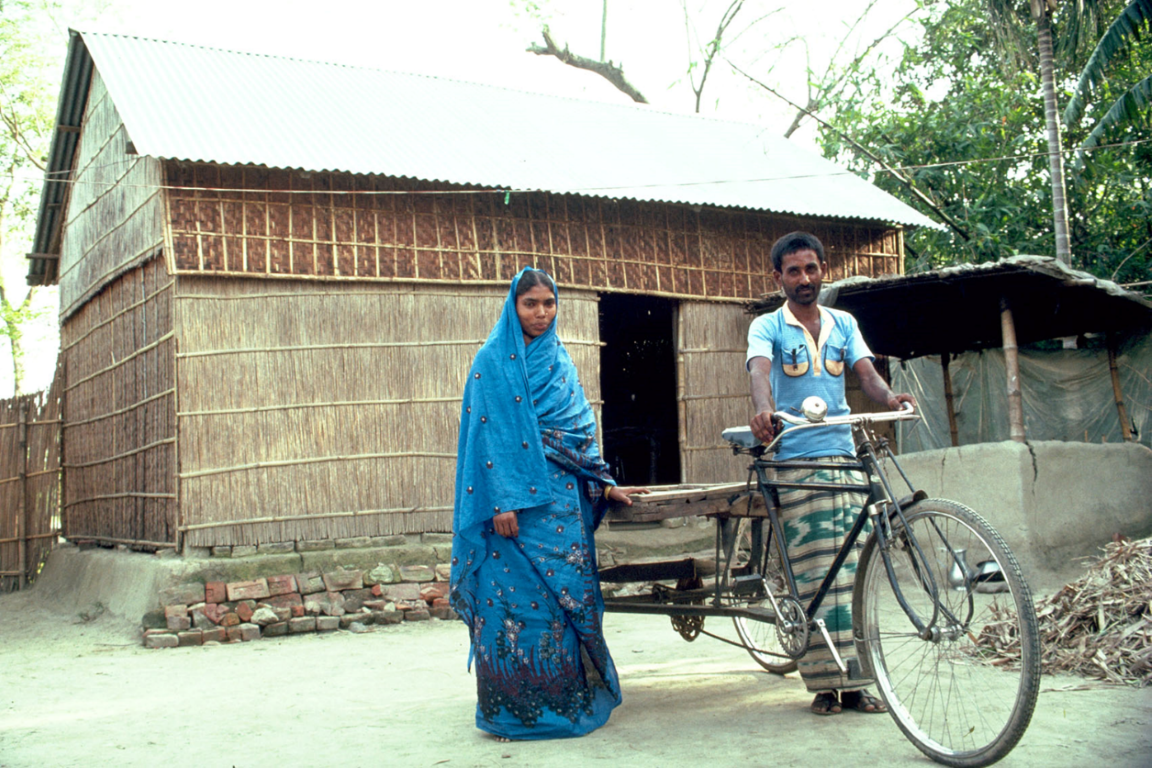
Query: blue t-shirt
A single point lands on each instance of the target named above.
(803, 366)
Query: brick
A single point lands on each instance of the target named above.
(441, 602)
(175, 610)
(444, 613)
(243, 550)
(435, 538)
(401, 592)
(355, 542)
(354, 599)
(276, 548)
(417, 573)
(434, 591)
(297, 611)
(249, 632)
(381, 574)
(340, 579)
(279, 629)
(200, 619)
(264, 616)
(243, 590)
(397, 540)
(302, 624)
(377, 590)
(309, 583)
(216, 592)
(355, 618)
(161, 641)
(327, 603)
(222, 551)
(327, 623)
(214, 612)
(443, 572)
(283, 601)
(314, 545)
(375, 605)
(191, 637)
(214, 635)
(229, 620)
(245, 610)
(282, 614)
(387, 617)
(281, 585)
(234, 634)
(418, 614)
(185, 594)
(179, 623)
(154, 620)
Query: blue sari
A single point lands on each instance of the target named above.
(532, 603)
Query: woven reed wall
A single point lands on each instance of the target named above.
(118, 353)
(322, 225)
(330, 410)
(29, 482)
(712, 341)
(115, 210)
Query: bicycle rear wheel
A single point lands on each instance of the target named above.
(959, 703)
(759, 637)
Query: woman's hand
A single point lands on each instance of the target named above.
(616, 493)
(506, 525)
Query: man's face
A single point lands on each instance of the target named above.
(801, 276)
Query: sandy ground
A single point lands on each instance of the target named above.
(85, 693)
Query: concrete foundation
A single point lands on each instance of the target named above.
(1053, 502)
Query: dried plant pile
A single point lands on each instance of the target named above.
(1099, 626)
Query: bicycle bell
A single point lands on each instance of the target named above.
(814, 408)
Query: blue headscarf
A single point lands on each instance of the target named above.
(523, 405)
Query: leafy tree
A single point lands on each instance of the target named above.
(965, 129)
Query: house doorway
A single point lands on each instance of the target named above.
(638, 386)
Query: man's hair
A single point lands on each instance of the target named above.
(533, 278)
(793, 242)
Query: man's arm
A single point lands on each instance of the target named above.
(762, 400)
(875, 387)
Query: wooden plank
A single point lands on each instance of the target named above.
(688, 501)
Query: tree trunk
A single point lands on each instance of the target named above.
(1055, 150)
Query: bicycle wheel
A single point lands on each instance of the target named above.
(759, 638)
(956, 701)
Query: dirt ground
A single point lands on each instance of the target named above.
(85, 693)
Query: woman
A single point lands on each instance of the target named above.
(530, 489)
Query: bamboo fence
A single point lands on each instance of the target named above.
(29, 484)
(327, 410)
(119, 427)
(331, 226)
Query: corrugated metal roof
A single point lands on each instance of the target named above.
(194, 103)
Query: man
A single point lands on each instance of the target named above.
(800, 350)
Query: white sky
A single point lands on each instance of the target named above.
(485, 41)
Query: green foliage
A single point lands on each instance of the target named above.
(971, 134)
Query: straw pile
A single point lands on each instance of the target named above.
(1100, 625)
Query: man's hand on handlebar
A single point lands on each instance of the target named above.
(896, 401)
(764, 426)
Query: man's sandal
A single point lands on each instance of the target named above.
(862, 701)
(826, 704)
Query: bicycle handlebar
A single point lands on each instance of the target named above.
(742, 437)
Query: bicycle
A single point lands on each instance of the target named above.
(933, 578)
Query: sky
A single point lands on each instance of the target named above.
(485, 40)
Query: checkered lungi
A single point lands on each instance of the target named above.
(815, 525)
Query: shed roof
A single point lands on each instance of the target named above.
(194, 103)
(958, 308)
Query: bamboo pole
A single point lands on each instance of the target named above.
(288, 518)
(316, 460)
(22, 463)
(1113, 370)
(945, 359)
(130, 542)
(681, 394)
(29, 537)
(1012, 365)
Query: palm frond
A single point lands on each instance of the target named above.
(1129, 107)
(1136, 17)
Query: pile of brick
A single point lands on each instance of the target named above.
(219, 612)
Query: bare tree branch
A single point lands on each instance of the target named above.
(606, 69)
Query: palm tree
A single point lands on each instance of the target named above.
(1127, 25)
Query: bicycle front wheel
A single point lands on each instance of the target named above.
(958, 702)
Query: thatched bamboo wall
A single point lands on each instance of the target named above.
(115, 210)
(329, 410)
(713, 394)
(118, 353)
(244, 220)
(29, 483)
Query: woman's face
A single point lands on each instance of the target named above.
(536, 308)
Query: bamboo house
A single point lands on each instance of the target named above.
(274, 274)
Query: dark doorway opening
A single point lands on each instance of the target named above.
(638, 386)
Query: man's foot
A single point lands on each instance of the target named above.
(862, 701)
(825, 704)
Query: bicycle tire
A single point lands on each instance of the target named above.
(759, 637)
(944, 693)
